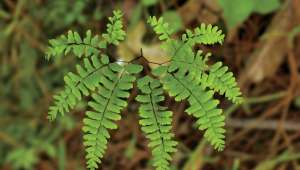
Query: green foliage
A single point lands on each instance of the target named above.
(29, 158)
(156, 122)
(160, 27)
(236, 11)
(186, 77)
(107, 105)
(74, 43)
(79, 84)
(89, 45)
(26, 81)
(115, 33)
(205, 34)
(222, 80)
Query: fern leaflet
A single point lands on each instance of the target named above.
(205, 34)
(160, 27)
(74, 43)
(202, 105)
(89, 45)
(115, 32)
(107, 105)
(85, 81)
(221, 80)
(156, 122)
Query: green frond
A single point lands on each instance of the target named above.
(73, 42)
(205, 34)
(107, 105)
(86, 80)
(186, 77)
(160, 27)
(156, 122)
(221, 80)
(115, 32)
(187, 61)
(202, 104)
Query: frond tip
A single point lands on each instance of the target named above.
(115, 32)
(160, 27)
(205, 34)
(73, 42)
(156, 122)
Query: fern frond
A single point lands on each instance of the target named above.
(202, 104)
(156, 122)
(205, 34)
(115, 32)
(221, 80)
(187, 61)
(107, 105)
(160, 27)
(86, 80)
(73, 42)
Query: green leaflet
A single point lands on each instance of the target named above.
(72, 42)
(89, 45)
(115, 32)
(188, 75)
(202, 105)
(221, 80)
(79, 84)
(107, 105)
(205, 34)
(160, 27)
(156, 122)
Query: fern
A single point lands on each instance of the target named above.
(202, 105)
(115, 33)
(156, 122)
(79, 84)
(188, 76)
(88, 45)
(107, 105)
(205, 34)
(221, 80)
(160, 27)
(73, 42)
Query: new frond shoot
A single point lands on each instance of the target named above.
(188, 76)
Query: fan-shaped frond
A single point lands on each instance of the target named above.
(202, 104)
(115, 32)
(156, 122)
(107, 105)
(86, 80)
(205, 34)
(221, 80)
(86, 46)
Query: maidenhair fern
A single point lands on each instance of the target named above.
(156, 121)
(187, 76)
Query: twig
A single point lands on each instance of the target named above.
(266, 124)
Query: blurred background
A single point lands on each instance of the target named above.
(262, 48)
